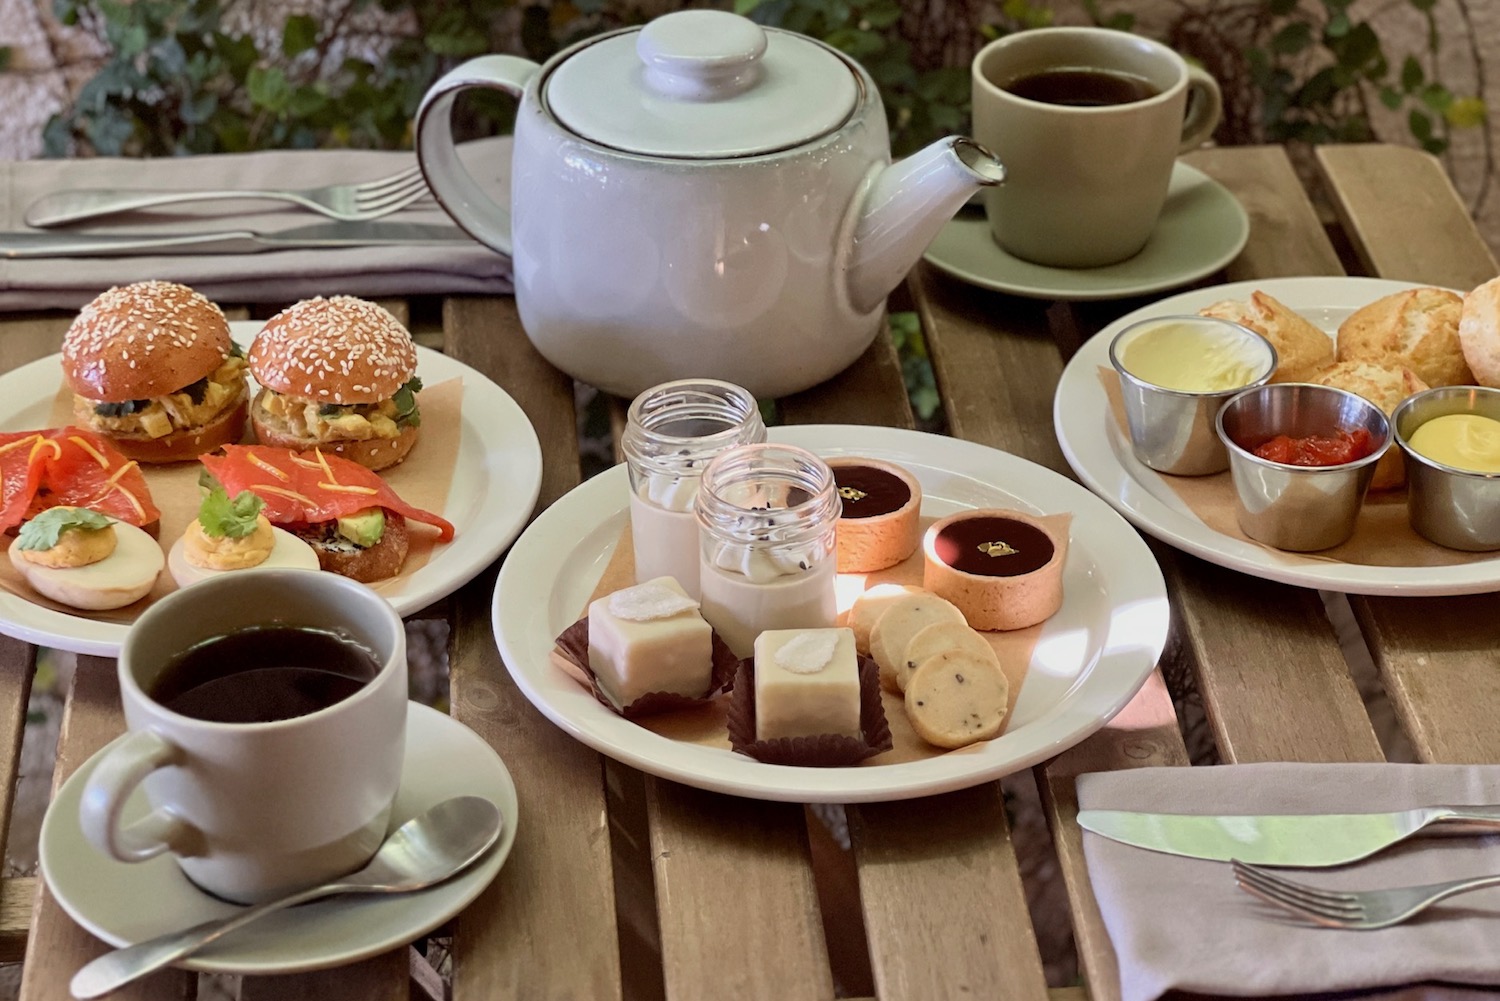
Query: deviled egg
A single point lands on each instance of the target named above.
(86, 560)
(232, 534)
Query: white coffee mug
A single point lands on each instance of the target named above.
(253, 811)
(1085, 185)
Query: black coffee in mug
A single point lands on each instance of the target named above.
(264, 673)
(1082, 87)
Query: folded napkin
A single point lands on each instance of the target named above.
(1181, 924)
(275, 276)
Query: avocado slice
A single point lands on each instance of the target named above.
(363, 528)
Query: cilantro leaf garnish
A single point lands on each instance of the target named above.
(235, 351)
(208, 481)
(43, 531)
(222, 517)
(407, 414)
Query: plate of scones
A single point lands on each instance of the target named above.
(1393, 344)
(857, 614)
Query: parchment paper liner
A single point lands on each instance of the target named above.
(827, 750)
(423, 480)
(573, 647)
(705, 724)
(1383, 536)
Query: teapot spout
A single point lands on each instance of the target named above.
(906, 206)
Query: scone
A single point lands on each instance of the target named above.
(1417, 329)
(1479, 332)
(1384, 385)
(1302, 348)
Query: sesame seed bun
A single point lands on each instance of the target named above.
(187, 444)
(141, 341)
(339, 350)
(373, 453)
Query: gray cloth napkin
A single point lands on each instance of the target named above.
(1181, 924)
(276, 276)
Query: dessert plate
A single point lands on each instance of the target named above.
(1091, 657)
(1099, 452)
(444, 758)
(495, 484)
(1201, 229)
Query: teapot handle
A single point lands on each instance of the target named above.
(478, 214)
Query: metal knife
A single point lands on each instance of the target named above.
(1303, 840)
(21, 245)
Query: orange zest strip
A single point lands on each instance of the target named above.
(28, 440)
(270, 469)
(349, 489)
(140, 512)
(294, 495)
(308, 464)
(326, 470)
(45, 443)
(115, 476)
(91, 450)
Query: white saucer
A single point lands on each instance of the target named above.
(1201, 229)
(443, 758)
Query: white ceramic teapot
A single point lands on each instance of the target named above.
(701, 197)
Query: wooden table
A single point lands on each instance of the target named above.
(622, 885)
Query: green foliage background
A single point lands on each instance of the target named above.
(178, 82)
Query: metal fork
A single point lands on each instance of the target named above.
(1359, 910)
(346, 202)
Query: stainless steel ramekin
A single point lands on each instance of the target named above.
(1453, 507)
(1172, 431)
(1299, 508)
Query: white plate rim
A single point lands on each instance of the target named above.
(1122, 288)
(1080, 407)
(493, 422)
(470, 883)
(519, 618)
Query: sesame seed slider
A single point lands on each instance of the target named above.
(337, 374)
(154, 371)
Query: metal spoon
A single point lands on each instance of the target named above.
(425, 850)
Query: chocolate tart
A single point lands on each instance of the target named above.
(1003, 569)
(882, 510)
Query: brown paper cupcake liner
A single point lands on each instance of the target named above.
(827, 750)
(573, 646)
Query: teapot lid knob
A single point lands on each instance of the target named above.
(701, 55)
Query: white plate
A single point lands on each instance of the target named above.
(1099, 452)
(1092, 656)
(1202, 228)
(495, 486)
(125, 903)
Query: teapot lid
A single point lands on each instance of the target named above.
(702, 84)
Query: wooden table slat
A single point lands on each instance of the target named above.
(17, 667)
(959, 869)
(546, 927)
(1436, 655)
(57, 946)
(1404, 217)
(383, 978)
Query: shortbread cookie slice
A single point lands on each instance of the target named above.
(870, 606)
(905, 617)
(941, 637)
(955, 699)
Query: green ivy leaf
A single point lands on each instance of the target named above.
(1465, 112)
(1281, 8)
(1337, 26)
(1292, 39)
(268, 88)
(1437, 97)
(299, 34)
(6, 55)
(1411, 74)
(744, 7)
(1420, 125)
(1390, 97)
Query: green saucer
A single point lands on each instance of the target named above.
(1201, 229)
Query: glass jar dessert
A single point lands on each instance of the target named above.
(672, 432)
(766, 517)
